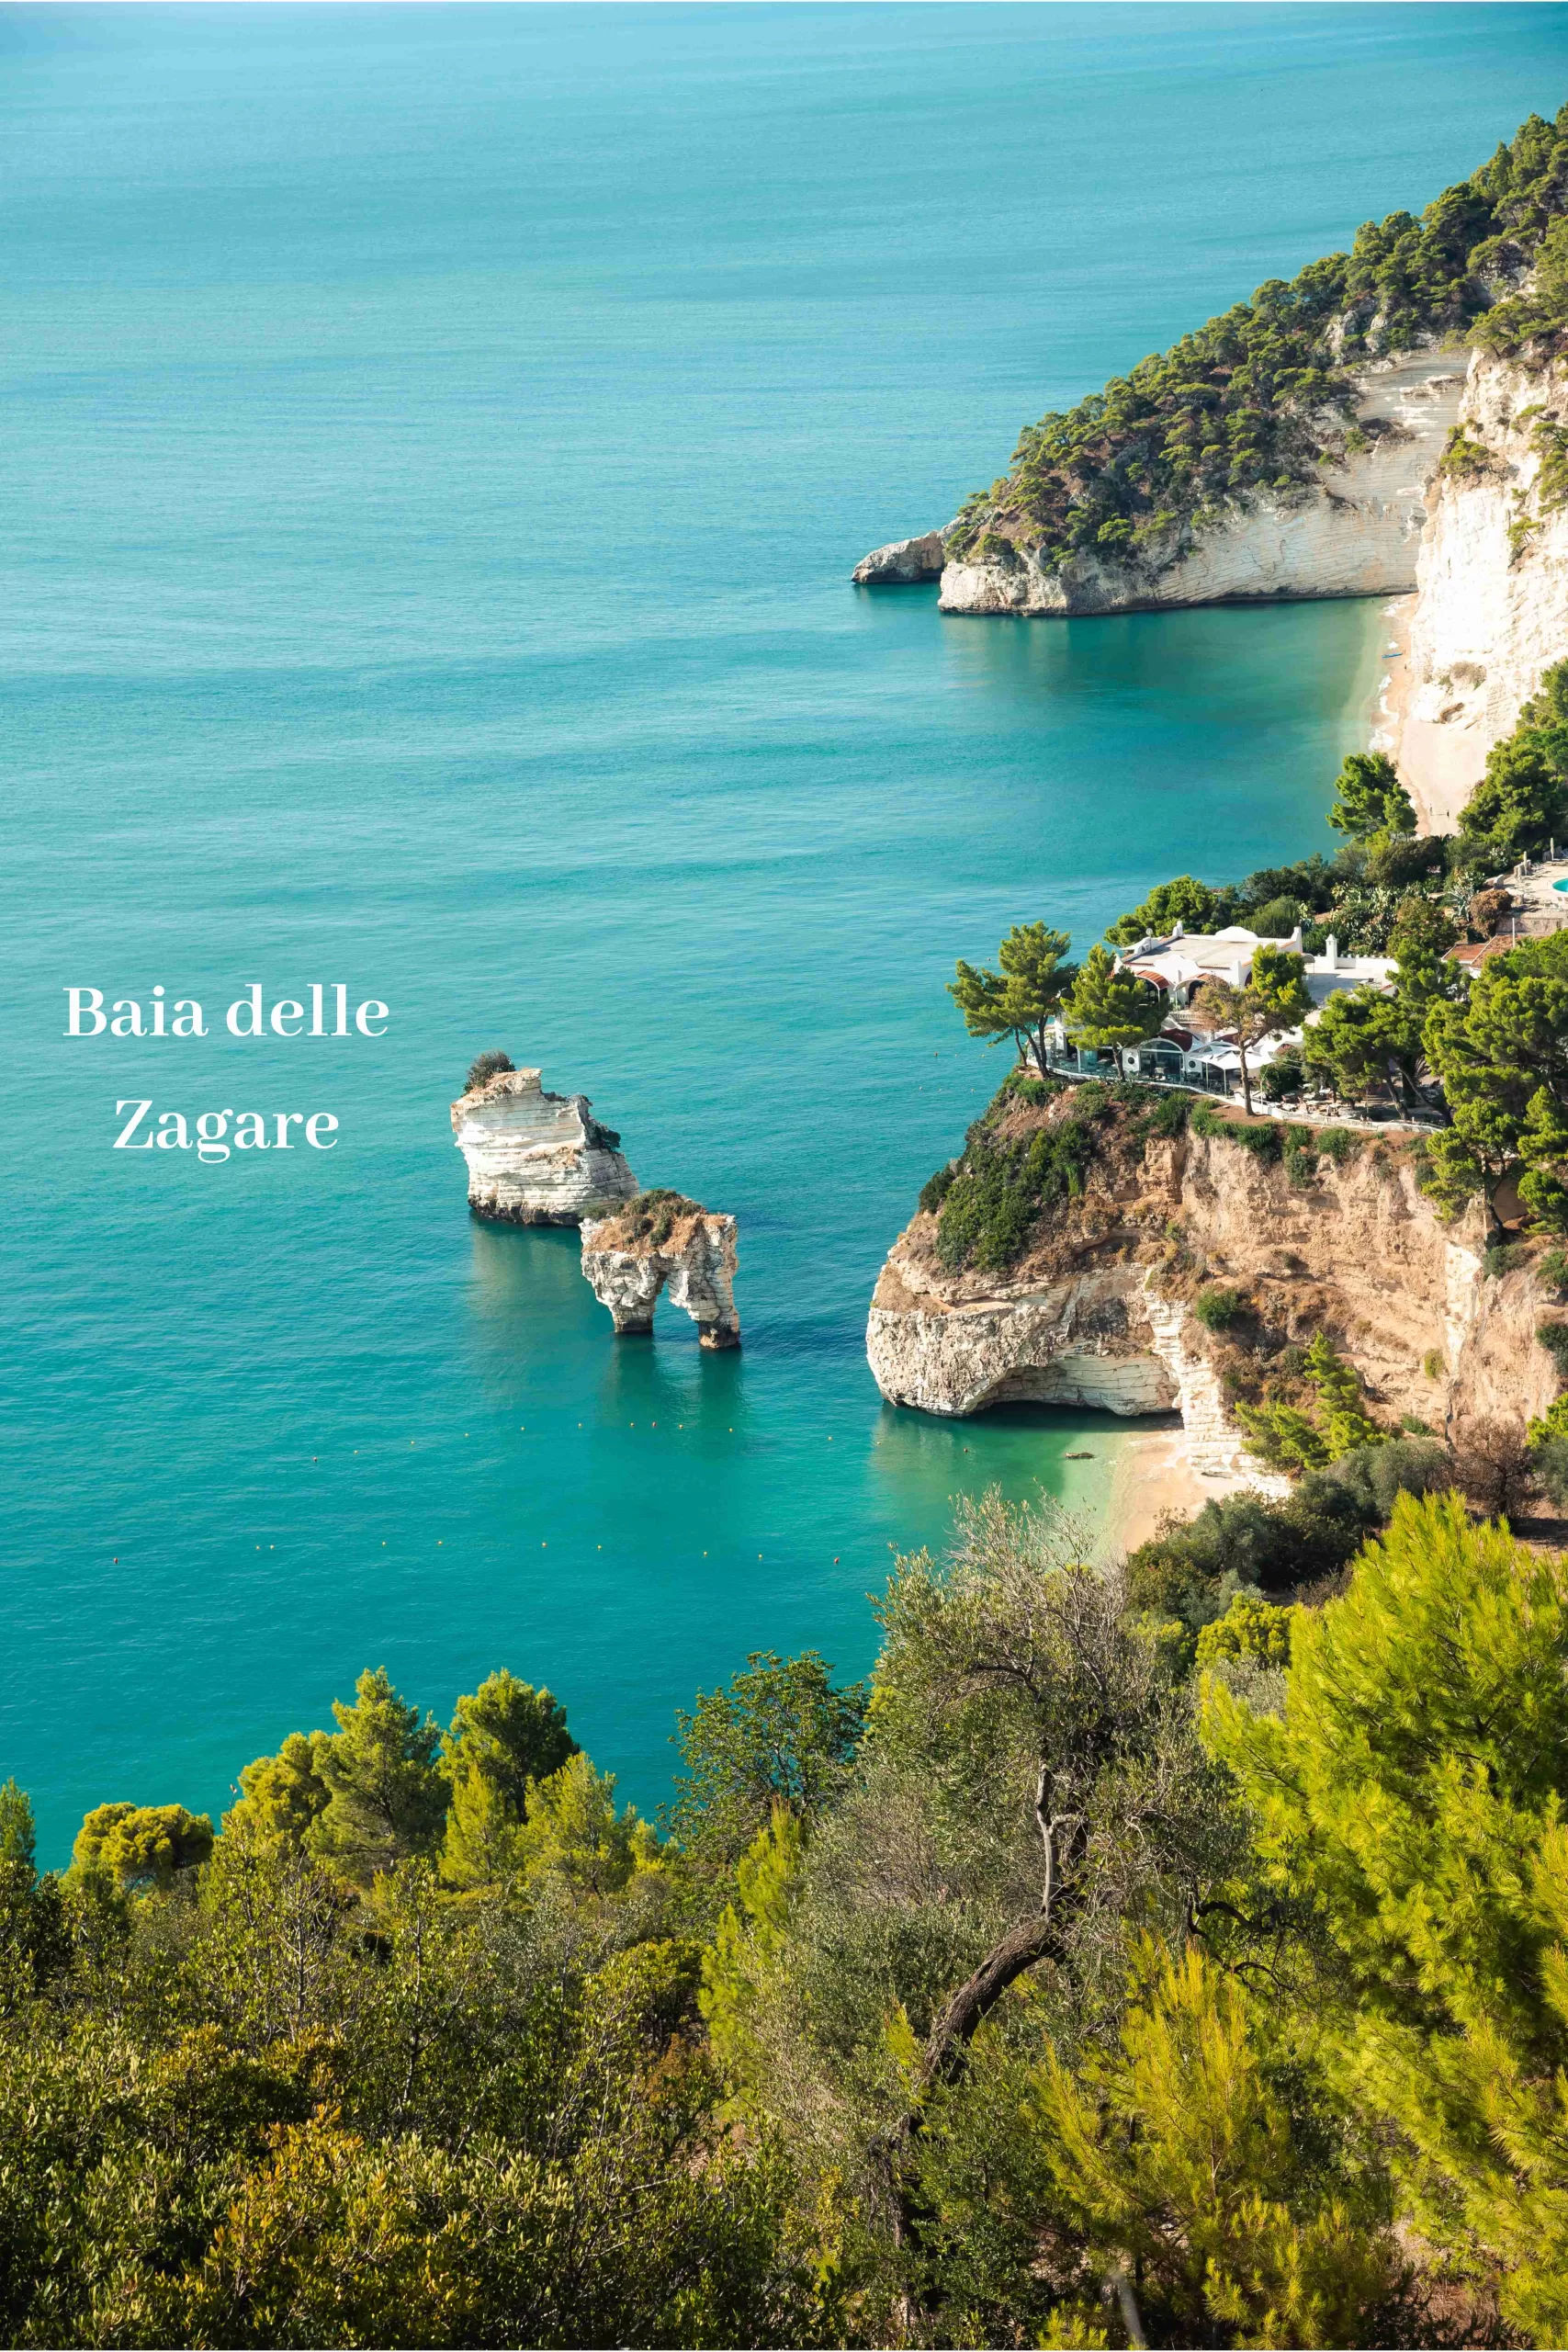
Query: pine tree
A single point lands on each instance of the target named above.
(574, 1832)
(1543, 1148)
(1024, 996)
(1411, 1797)
(281, 1796)
(1111, 1009)
(1184, 2166)
(386, 1797)
(1369, 799)
(1346, 1423)
(749, 1938)
(505, 1736)
(142, 1845)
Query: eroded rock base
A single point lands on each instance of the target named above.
(662, 1240)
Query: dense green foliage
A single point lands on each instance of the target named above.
(1139, 1959)
(1111, 1009)
(1522, 801)
(1369, 798)
(1024, 995)
(1004, 1183)
(1502, 1055)
(1259, 399)
(1423, 1748)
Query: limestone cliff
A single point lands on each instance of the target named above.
(1492, 579)
(1355, 535)
(535, 1157)
(1097, 1310)
(663, 1239)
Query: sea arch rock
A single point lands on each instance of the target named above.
(662, 1239)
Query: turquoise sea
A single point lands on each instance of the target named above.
(437, 441)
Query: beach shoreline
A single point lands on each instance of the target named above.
(1391, 707)
(1156, 1478)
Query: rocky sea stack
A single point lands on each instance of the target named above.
(902, 563)
(663, 1239)
(535, 1157)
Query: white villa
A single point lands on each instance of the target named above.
(1183, 961)
(1178, 965)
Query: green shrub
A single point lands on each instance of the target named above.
(1188, 1573)
(1553, 1274)
(1167, 1115)
(1278, 919)
(1465, 458)
(1553, 1338)
(1263, 1142)
(1503, 1258)
(1300, 1161)
(1217, 1308)
(1281, 1077)
(935, 1188)
(1340, 1143)
(1433, 1364)
(1373, 1476)
(485, 1067)
(1024, 1088)
(1413, 1426)
(652, 1214)
(1250, 1628)
(1549, 1460)
(1001, 1189)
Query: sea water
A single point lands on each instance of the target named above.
(438, 445)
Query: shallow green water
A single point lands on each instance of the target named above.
(439, 442)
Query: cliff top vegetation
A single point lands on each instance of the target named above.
(1260, 396)
(647, 1220)
(491, 1063)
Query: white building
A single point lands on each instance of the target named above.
(1178, 964)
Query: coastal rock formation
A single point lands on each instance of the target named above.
(1098, 1310)
(535, 1157)
(661, 1239)
(1357, 535)
(1491, 580)
(901, 562)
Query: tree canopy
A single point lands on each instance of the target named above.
(1137, 1960)
(1112, 1010)
(1259, 401)
(503, 1738)
(1369, 798)
(1020, 999)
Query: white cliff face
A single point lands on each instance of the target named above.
(901, 562)
(1357, 535)
(1492, 603)
(1085, 1341)
(629, 1258)
(535, 1157)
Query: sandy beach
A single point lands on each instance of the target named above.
(1395, 688)
(1153, 1475)
(1440, 765)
